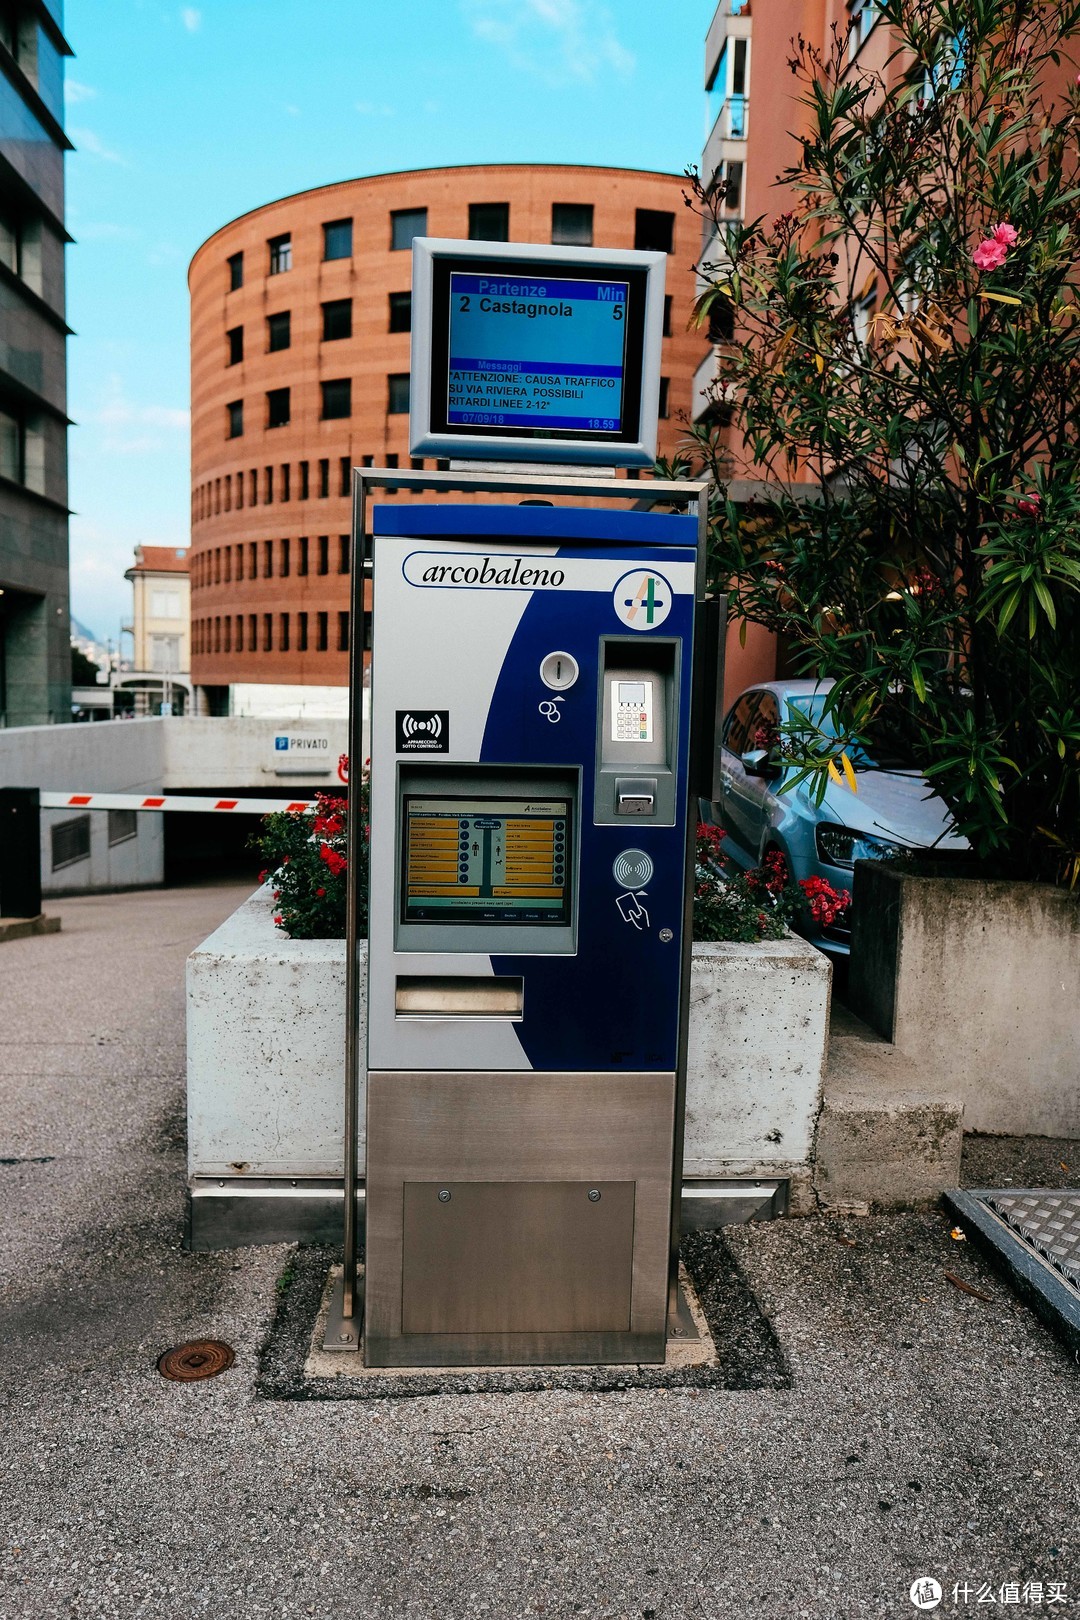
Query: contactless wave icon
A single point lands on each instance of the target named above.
(423, 731)
(427, 725)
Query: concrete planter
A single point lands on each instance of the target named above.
(266, 1036)
(977, 982)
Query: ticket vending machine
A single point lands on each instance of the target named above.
(528, 928)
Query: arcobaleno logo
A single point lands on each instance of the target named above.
(522, 573)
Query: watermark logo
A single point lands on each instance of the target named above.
(925, 1592)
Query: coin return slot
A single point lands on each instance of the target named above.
(430, 996)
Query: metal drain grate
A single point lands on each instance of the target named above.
(1049, 1221)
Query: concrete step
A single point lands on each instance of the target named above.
(889, 1134)
(25, 927)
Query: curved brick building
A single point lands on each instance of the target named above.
(300, 325)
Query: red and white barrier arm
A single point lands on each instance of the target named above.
(169, 801)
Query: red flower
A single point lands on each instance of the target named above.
(263, 875)
(1030, 506)
(330, 857)
(277, 919)
(320, 893)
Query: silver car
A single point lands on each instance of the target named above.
(893, 810)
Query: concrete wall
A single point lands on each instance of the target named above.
(978, 982)
(121, 756)
(153, 756)
(243, 753)
(266, 1040)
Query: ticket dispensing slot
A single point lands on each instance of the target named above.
(442, 996)
(635, 766)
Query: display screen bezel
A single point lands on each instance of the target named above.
(498, 915)
(634, 277)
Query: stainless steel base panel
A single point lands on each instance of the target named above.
(516, 1218)
(233, 1212)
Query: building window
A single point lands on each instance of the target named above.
(401, 312)
(322, 621)
(398, 394)
(253, 625)
(280, 254)
(489, 222)
(240, 561)
(253, 559)
(235, 264)
(345, 475)
(324, 479)
(337, 239)
(286, 477)
(239, 632)
(268, 559)
(721, 321)
(253, 481)
(268, 632)
(279, 330)
(303, 480)
(667, 315)
(664, 390)
(286, 549)
(166, 604)
(235, 413)
(336, 398)
(862, 15)
(654, 231)
(337, 319)
(70, 842)
(323, 564)
(235, 339)
(277, 408)
(301, 632)
(228, 634)
(302, 555)
(405, 223)
(283, 632)
(122, 826)
(343, 554)
(268, 486)
(343, 631)
(572, 224)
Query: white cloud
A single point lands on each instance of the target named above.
(560, 41)
(74, 92)
(191, 17)
(129, 429)
(86, 141)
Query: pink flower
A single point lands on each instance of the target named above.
(989, 255)
(1006, 235)
(1030, 506)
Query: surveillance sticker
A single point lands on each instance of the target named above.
(423, 731)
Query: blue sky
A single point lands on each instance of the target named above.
(184, 116)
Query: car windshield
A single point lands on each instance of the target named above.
(889, 755)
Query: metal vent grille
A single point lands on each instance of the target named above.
(1049, 1221)
(70, 842)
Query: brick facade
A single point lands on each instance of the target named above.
(271, 503)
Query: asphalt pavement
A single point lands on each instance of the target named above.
(926, 1431)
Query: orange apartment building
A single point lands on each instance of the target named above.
(300, 319)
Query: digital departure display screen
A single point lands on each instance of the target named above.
(480, 860)
(543, 352)
(518, 351)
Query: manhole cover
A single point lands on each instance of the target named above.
(203, 1358)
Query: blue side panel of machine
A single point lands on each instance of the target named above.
(615, 1005)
